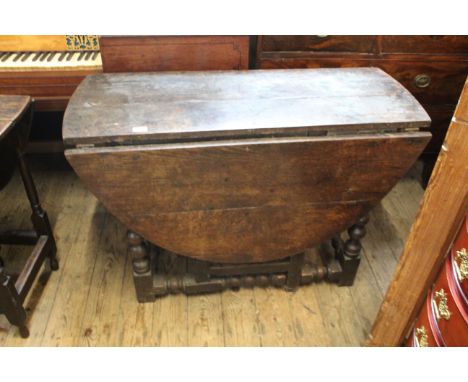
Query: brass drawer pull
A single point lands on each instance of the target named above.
(462, 269)
(441, 307)
(422, 81)
(421, 337)
(322, 35)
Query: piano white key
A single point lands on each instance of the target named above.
(27, 61)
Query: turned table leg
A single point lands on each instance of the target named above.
(349, 252)
(39, 217)
(141, 265)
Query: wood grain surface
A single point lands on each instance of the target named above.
(246, 200)
(11, 109)
(161, 53)
(149, 107)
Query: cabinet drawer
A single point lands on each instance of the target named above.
(448, 310)
(431, 82)
(425, 44)
(425, 332)
(358, 44)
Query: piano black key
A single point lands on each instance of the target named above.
(70, 55)
(88, 55)
(17, 57)
(62, 56)
(95, 54)
(80, 57)
(5, 57)
(25, 56)
(36, 56)
(51, 56)
(43, 56)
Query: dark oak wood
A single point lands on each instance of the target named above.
(242, 167)
(158, 272)
(15, 121)
(443, 209)
(161, 53)
(280, 196)
(160, 107)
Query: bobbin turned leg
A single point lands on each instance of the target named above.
(349, 253)
(39, 217)
(141, 265)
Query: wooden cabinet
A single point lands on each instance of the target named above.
(443, 320)
(323, 43)
(433, 68)
(162, 53)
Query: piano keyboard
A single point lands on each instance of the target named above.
(28, 61)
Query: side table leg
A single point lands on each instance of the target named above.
(39, 217)
(11, 304)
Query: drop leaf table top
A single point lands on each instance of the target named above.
(242, 166)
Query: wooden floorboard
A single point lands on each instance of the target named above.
(91, 300)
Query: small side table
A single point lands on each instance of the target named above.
(15, 122)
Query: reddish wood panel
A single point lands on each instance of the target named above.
(459, 258)
(162, 53)
(51, 90)
(323, 43)
(425, 44)
(239, 201)
(425, 332)
(451, 316)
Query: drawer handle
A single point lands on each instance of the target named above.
(322, 35)
(462, 269)
(441, 307)
(422, 81)
(421, 337)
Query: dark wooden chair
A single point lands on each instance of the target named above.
(15, 121)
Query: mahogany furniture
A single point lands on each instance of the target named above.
(15, 120)
(432, 68)
(163, 53)
(242, 171)
(433, 257)
(443, 320)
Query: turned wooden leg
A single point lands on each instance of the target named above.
(294, 272)
(349, 253)
(141, 264)
(11, 304)
(39, 217)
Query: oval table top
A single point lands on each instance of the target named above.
(135, 108)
